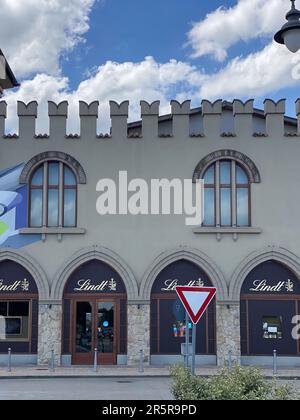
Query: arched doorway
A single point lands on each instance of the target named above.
(270, 298)
(95, 315)
(168, 316)
(18, 312)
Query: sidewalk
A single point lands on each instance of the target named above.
(27, 372)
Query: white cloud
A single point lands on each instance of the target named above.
(34, 33)
(258, 74)
(146, 80)
(252, 76)
(41, 89)
(225, 27)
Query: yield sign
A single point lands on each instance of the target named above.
(195, 300)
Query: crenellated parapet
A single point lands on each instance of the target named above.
(3, 114)
(211, 113)
(243, 117)
(58, 114)
(148, 109)
(149, 115)
(181, 117)
(27, 110)
(88, 114)
(214, 120)
(88, 110)
(274, 114)
(178, 108)
(119, 117)
(27, 114)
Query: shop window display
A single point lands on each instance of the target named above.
(14, 321)
(272, 327)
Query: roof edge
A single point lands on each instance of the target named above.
(10, 74)
(227, 106)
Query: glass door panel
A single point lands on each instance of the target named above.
(105, 327)
(95, 328)
(84, 327)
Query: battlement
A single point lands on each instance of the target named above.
(211, 120)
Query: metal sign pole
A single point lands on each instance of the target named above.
(9, 360)
(195, 301)
(141, 362)
(52, 362)
(275, 362)
(194, 349)
(187, 340)
(95, 360)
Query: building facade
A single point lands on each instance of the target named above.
(7, 78)
(72, 280)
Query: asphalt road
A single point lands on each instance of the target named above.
(98, 389)
(85, 389)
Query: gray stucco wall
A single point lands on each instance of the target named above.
(139, 240)
(276, 157)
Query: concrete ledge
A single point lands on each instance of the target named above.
(267, 361)
(66, 360)
(227, 230)
(169, 360)
(52, 231)
(34, 372)
(19, 359)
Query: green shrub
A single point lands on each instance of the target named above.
(243, 383)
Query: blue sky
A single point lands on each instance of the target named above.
(96, 49)
(130, 30)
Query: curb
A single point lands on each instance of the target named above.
(121, 377)
(84, 377)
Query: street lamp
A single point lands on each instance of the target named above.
(289, 34)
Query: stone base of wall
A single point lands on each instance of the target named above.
(228, 333)
(50, 322)
(138, 333)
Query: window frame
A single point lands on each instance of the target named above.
(233, 187)
(69, 187)
(46, 188)
(28, 300)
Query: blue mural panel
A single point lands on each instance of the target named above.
(13, 209)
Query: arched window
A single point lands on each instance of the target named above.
(269, 303)
(53, 196)
(168, 322)
(226, 194)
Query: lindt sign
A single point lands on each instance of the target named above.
(263, 286)
(16, 286)
(170, 284)
(86, 285)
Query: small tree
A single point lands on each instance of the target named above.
(240, 384)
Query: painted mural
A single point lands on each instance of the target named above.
(13, 209)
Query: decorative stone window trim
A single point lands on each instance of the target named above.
(229, 303)
(241, 158)
(30, 264)
(183, 253)
(138, 302)
(237, 160)
(59, 231)
(52, 155)
(50, 302)
(95, 253)
(220, 231)
(272, 252)
(25, 178)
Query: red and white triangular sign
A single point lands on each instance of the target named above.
(195, 300)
